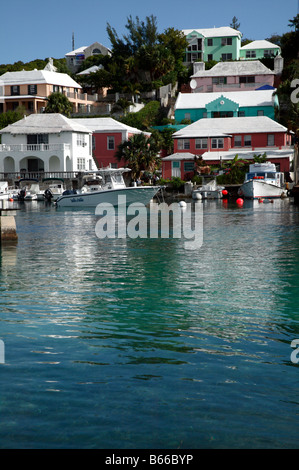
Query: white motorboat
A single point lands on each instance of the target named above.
(4, 194)
(263, 181)
(28, 190)
(112, 186)
(53, 188)
(208, 191)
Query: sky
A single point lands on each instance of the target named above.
(37, 30)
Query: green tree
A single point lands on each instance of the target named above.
(59, 103)
(294, 23)
(144, 56)
(234, 24)
(11, 116)
(140, 153)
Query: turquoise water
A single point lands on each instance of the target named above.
(141, 344)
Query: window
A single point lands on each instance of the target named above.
(270, 140)
(81, 140)
(183, 144)
(246, 79)
(14, 90)
(34, 141)
(210, 57)
(217, 143)
(32, 89)
(188, 116)
(238, 141)
(210, 42)
(247, 141)
(110, 143)
(226, 41)
(260, 112)
(219, 80)
(268, 53)
(81, 163)
(201, 143)
(241, 113)
(188, 166)
(226, 57)
(250, 54)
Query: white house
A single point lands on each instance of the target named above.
(46, 143)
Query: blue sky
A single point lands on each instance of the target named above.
(36, 30)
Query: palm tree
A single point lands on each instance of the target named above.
(59, 103)
(140, 153)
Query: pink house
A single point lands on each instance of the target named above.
(107, 135)
(231, 76)
(218, 140)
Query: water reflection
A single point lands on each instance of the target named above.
(115, 326)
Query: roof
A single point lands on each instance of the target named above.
(93, 69)
(81, 50)
(243, 98)
(241, 67)
(39, 76)
(176, 157)
(214, 32)
(230, 154)
(51, 123)
(227, 126)
(247, 154)
(107, 125)
(260, 44)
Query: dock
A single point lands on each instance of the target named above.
(8, 230)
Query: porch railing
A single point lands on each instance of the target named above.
(15, 176)
(33, 147)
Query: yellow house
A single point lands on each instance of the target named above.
(31, 90)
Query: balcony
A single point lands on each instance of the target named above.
(34, 147)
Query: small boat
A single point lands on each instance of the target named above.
(208, 191)
(112, 185)
(263, 181)
(28, 189)
(53, 188)
(4, 194)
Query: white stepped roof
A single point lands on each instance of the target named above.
(243, 98)
(236, 68)
(260, 44)
(51, 123)
(107, 125)
(214, 32)
(34, 77)
(229, 126)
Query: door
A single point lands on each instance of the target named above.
(176, 169)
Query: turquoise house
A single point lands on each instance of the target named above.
(195, 106)
(259, 50)
(219, 44)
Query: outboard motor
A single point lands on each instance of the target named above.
(22, 194)
(48, 195)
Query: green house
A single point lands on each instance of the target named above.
(212, 44)
(259, 50)
(194, 106)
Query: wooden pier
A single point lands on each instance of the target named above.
(8, 231)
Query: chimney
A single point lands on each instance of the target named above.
(198, 67)
(278, 65)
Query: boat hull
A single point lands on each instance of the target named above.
(140, 195)
(205, 194)
(255, 189)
